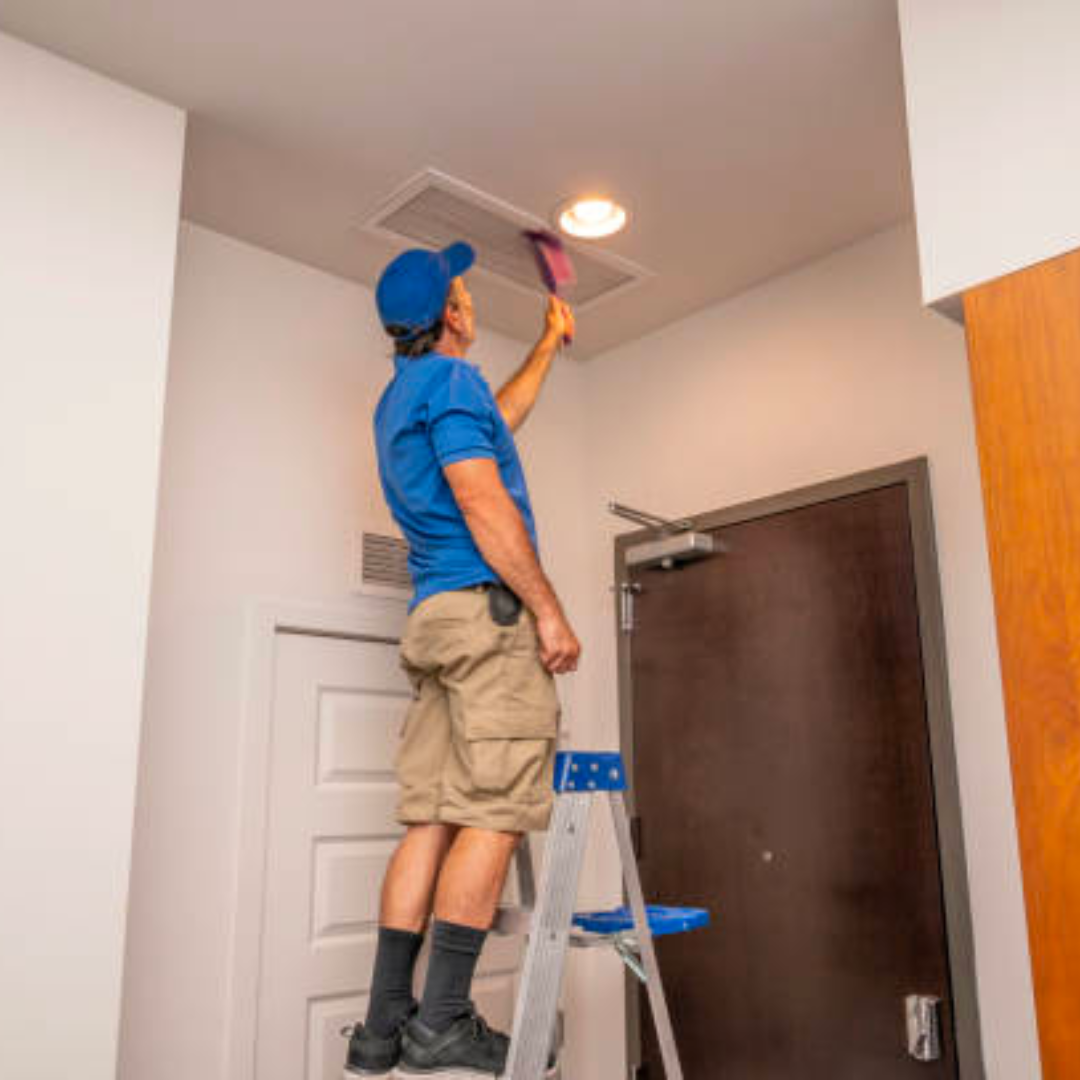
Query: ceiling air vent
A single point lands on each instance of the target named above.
(434, 210)
(383, 563)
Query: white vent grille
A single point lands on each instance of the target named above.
(434, 210)
(383, 562)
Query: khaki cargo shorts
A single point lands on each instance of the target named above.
(478, 745)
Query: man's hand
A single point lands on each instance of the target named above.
(559, 320)
(559, 646)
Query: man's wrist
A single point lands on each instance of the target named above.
(547, 608)
(549, 340)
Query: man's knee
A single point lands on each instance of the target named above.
(493, 839)
(434, 829)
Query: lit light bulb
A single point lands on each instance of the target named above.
(594, 211)
(592, 217)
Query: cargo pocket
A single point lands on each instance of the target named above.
(517, 770)
(511, 737)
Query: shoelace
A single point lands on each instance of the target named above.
(480, 1029)
(347, 1031)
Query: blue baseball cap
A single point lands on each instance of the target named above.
(412, 290)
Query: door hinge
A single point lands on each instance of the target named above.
(627, 591)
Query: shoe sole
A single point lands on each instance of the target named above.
(352, 1074)
(456, 1073)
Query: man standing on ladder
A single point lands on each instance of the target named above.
(484, 637)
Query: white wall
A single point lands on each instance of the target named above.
(268, 475)
(825, 372)
(994, 128)
(89, 205)
(268, 472)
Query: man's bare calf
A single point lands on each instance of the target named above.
(473, 876)
(409, 885)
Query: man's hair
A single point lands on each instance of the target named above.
(419, 342)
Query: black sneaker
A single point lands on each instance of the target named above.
(467, 1048)
(370, 1054)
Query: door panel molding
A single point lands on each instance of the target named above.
(373, 618)
(914, 475)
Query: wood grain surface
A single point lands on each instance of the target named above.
(1024, 351)
(783, 779)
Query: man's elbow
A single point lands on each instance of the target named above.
(468, 500)
(476, 503)
(477, 487)
(511, 416)
(471, 495)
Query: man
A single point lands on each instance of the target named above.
(484, 637)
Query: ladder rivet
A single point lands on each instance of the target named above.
(614, 774)
(595, 767)
(592, 784)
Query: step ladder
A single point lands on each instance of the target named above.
(547, 915)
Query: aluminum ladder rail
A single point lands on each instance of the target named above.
(579, 779)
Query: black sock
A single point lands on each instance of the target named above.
(391, 983)
(454, 952)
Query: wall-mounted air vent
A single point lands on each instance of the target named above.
(434, 210)
(383, 563)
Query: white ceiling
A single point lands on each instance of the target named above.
(746, 136)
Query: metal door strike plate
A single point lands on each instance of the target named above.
(922, 1013)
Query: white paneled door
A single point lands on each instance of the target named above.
(339, 704)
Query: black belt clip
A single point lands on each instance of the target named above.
(504, 605)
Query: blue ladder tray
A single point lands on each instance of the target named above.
(662, 920)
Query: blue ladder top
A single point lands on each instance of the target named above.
(578, 771)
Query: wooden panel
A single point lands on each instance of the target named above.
(347, 879)
(1024, 350)
(358, 735)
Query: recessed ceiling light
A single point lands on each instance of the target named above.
(591, 218)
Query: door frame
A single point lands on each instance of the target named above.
(914, 474)
(378, 619)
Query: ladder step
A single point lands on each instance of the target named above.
(577, 770)
(662, 920)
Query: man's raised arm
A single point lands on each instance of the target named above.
(518, 394)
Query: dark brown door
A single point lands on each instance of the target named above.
(783, 780)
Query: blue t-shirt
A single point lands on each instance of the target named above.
(438, 410)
